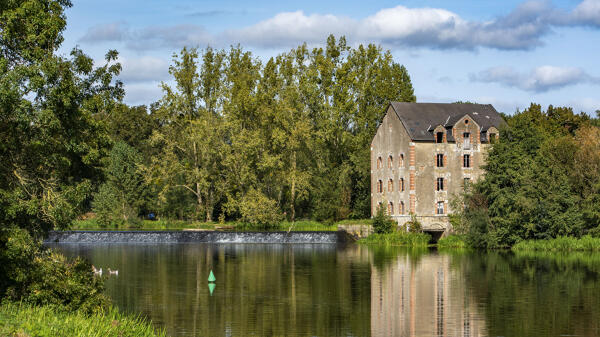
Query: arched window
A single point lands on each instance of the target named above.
(401, 207)
(390, 185)
(401, 161)
(391, 208)
(379, 186)
(401, 185)
(390, 162)
(379, 163)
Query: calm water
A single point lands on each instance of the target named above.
(331, 290)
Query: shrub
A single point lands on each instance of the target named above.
(383, 223)
(398, 239)
(36, 275)
(453, 241)
(258, 210)
(414, 225)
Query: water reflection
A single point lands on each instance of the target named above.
(330, 290)
(419, 294)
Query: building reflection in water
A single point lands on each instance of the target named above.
(421, 297)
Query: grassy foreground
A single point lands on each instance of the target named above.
(303, 225)
(20, 320)
(398, 239)
(559, 244)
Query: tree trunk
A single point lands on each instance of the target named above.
(209, 207)
(293, 188)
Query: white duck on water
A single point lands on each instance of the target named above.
(97, 271)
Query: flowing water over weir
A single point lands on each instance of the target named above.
(195, 236)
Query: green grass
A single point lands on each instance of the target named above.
(356, 222)
(91, 224)
(398, 239)
(302, 225)
(20, 320)
(559, 244)
(452, 241)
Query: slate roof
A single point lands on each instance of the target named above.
(420, 119)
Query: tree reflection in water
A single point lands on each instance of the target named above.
(354, 290)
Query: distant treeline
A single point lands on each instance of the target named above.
(239, 139)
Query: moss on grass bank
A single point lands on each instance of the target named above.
(20, 320)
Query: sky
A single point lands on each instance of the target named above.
(505, 53)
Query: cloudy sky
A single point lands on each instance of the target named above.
(506, 53)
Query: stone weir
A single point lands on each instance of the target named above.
(195, 236)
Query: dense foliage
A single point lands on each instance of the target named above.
(295, 130)
(542, 181)
(38, 276)
(51, 148)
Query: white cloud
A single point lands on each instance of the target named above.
(291, 28)
(143, 69)
(521, 29)
(587, 13)
(540, 79)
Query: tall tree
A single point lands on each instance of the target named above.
(192, 132)
(51, 145)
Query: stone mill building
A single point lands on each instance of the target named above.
(423, 153)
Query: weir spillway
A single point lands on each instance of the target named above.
(196, 236)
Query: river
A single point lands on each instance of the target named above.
(349, 290)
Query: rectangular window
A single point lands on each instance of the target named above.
(440, 184)
(440, 207)
(439, 137)
(467, 160)
(440, 160)
(466, 141)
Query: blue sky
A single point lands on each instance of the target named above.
(506, 53)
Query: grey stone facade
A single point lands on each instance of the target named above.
(423, 153)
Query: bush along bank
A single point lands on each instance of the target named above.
(559, 244)
(398, 238)
(50, 321)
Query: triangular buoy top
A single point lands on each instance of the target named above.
(211, 277)
(211, 288)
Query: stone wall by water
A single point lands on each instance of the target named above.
(195, 236)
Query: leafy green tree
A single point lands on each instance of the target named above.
(191, 139)
(51, 148)
(122, 196)
(382, 222)
(50, 143)
(534, 182)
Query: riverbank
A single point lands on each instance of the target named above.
(559, 244)
(397, 239)
(148, 225)
(20, 320)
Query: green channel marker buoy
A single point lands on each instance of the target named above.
(211, 288)
(211, 277)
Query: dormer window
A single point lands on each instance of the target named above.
(439, 137)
